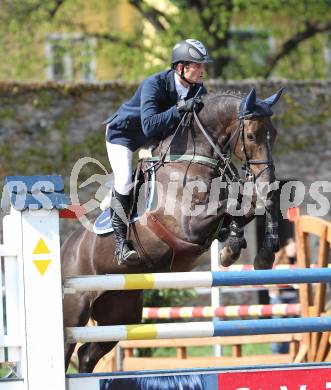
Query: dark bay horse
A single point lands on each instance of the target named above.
(188, 215)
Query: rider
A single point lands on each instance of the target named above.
(154, 111)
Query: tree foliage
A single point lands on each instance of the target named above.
(246, 38)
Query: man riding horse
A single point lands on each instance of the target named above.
(154, 111)
(194, 157)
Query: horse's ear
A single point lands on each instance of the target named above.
(274, 98)
(250, 101)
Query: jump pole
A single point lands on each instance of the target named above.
(195, 279)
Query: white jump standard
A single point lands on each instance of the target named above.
(32, 228)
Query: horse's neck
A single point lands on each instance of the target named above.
(177, 179)
(187, 141)
(190, 140)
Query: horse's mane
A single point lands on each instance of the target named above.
(226, 93)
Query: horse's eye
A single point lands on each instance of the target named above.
(251, 136)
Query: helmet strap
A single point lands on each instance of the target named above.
(181, 75)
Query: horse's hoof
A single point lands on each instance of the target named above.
(264, 259)
(227, 257)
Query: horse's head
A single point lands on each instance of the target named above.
(256, 136)
(243, 127)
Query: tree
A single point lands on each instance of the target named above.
(237, 32)
(292, 23)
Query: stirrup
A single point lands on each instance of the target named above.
(127, 256)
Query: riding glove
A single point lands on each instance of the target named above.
(190, 105)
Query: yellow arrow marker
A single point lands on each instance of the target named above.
(41, 248)
(42, 265)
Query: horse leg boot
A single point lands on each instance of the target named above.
(124, 252)
(234, 243)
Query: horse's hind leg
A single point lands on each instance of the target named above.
(90, 353)
(68, 351)
(111, 308)
(76, 309)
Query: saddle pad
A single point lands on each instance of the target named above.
(103, 223)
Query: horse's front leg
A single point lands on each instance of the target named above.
(234, 241)
(232, 233)
(271, 244)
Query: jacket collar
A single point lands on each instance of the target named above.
(170, 81)
(171, 86)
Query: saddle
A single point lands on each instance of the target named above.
(145, 173)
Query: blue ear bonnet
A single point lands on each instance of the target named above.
(252, 107)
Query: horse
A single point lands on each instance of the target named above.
(180, 226)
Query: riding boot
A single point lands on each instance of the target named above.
(124, 252)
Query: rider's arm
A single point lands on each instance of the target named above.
(155, 121)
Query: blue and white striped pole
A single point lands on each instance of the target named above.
(195, 279)
(197, 329)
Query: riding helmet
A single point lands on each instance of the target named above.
(189, 50)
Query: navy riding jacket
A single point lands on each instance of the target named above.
(150, 113)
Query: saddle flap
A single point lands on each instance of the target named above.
(103, 225)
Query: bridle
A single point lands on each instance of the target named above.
(223, 164)
(224, 153)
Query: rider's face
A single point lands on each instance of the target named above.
(194, 72)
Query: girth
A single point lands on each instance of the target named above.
(181, 250)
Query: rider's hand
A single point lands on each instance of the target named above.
(190, 105)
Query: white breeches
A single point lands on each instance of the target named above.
(120, 158)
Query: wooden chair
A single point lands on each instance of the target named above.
(182, 360)
(312, 300)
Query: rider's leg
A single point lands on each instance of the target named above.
(120, 158)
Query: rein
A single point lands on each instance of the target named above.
(224, 165)
(231, 144)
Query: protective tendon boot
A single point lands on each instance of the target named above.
(236, 240)
(124, 252)
(234, 243)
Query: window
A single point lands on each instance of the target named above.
(70, 57)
